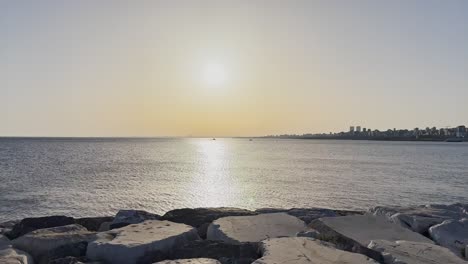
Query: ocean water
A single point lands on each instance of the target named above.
(92, 177)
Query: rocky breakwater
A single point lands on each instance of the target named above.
(392, 235)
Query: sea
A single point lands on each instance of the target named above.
(83, 177)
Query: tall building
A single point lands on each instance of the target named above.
(461, 131)
(351, 129)
(358, 129)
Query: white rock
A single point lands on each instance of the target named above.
(301, 250)
(139, 242)
(420, 218)
(190, 261)
(41, 241)
(451, 234)
(409, 252)
(9, 255)
(255, 228)
(355, 232)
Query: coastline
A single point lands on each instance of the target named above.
(238, 236)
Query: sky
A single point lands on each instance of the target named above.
(230, 68)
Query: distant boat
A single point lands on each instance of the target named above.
(250, 139)
(454, 140)
(214, 139)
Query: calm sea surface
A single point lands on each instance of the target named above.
(91, 177)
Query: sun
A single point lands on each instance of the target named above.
(214, 74)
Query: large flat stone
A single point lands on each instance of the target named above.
(421, 218)
(401, 252)
(451, 234)
(9, 255)
(237, 229)
(146, 242)
(202, 217)
(299, 250)
(127, 217)
(30, 224)
(190, 261)
(41, 242)
(355, 232)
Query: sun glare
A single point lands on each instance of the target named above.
(214, 74)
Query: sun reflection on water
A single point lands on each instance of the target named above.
(213, 183)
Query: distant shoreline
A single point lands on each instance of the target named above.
(404, 139)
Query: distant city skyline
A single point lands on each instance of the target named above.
(211, 68)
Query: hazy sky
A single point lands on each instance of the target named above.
(230, 68)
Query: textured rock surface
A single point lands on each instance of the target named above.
(41, 242)
(146, 242)
(451, 234)
(7, 226)
(298, 250)
(74, 251)
(202, 217)
(93, 223)
(236, 229)
(421, 218)
(309, 233)
(355, 232)
(4, 241)
(222, 251)
(127, 217)
(30, 224)
(308, 214)
(190, 261)
(9, 255)
(410, 252)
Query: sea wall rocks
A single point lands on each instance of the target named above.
(42, 242)
(397, 235)
(421, 218)
(411, 252)
(452, 234)
(201, 218)
(355, 232)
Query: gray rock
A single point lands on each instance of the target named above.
(93, 223)
(222, 251)
(4, 241)
(6, 227)
(30, 224)
(300, 250)
(308, 214)
(355, 232)
(409, 252)
(421, 218)
(146, 242)
(104, 227)
(190, 261)
(127, 217)
(202, 217)
(41, 242)
(451, 234)
(9, 255)
(237, 229)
